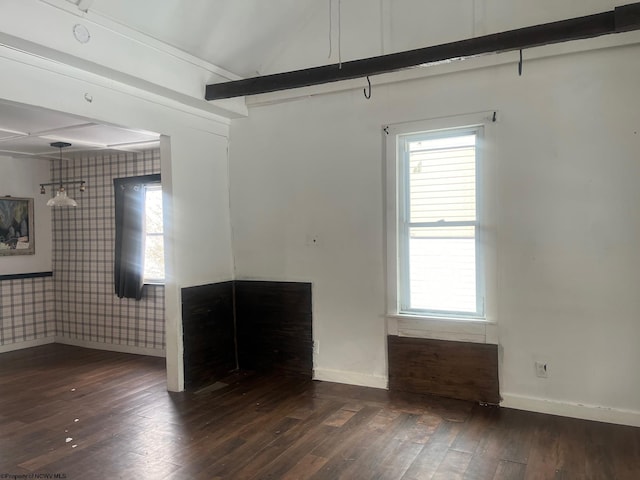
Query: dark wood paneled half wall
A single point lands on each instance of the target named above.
(274, 326)
(270, 322)
(209, 333)
(257, 325)
(462, 370)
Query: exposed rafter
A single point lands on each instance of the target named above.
(621, 19)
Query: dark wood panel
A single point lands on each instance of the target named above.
(621, 19)
(274, 328)
(466, 371)
(122, 423)
(209, 333)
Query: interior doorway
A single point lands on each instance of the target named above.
(64, 292)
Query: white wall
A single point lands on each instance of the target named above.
(566, 152)
(20, 177)
(568, 236)
(312, 169)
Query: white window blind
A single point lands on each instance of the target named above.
(439, 267)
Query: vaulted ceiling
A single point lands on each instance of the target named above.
(256, 37)
(241, 36)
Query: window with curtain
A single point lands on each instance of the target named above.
(131, 233)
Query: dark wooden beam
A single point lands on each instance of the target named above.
(621, 19)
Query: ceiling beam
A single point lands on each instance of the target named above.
(621, 19)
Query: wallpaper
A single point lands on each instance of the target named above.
(26, 310)
(86, 307)
(78, 302)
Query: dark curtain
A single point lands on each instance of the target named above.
(129, 248)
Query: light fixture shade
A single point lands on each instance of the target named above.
(62, 200)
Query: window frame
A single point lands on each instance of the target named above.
(395, 208)
(155, 185)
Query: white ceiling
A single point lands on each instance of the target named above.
(27, 131)
(241, 36)
(214, 30)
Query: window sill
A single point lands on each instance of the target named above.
(156, 284)
(475, 330)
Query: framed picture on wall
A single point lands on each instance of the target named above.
(16, 226)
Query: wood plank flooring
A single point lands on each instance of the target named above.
(89, 414)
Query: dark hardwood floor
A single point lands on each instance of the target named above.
(89, 414)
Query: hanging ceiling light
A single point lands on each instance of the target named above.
(61, 199)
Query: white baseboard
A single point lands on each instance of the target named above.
(10, 347)
(350, 378)
(574, 410)
(112, 347)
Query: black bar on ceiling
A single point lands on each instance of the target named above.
(621, 19)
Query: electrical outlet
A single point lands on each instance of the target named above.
(542, 370)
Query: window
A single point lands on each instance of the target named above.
(437, 255)
(154, 235)
(138, 234)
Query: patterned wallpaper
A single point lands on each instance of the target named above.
(26, 310)
(86, 307)
(79, 303)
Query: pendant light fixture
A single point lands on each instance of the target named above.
(61, 199)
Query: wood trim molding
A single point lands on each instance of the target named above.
(17, 276)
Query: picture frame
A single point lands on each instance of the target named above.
(16, 226)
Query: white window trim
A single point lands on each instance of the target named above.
(151, 280)
(401, 152)
(436, 325)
